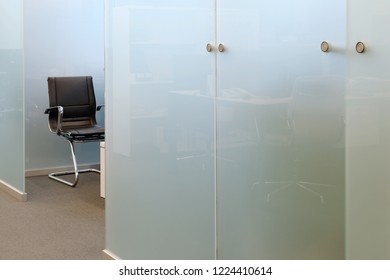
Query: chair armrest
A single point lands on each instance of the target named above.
(60, 114)
(99, 107)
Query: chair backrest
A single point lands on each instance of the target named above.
(77, 97)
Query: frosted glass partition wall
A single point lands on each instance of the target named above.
(280, 129)
(249, 129)
(178, 86)
(62, 38)
(368, 131)
(11, 95)
(160, 129)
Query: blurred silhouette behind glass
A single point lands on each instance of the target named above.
(312, 136)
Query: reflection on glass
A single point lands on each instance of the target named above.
(313, 133)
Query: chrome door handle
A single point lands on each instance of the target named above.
(221, 48)
(360, 47)
(209, 47)
(325, 46)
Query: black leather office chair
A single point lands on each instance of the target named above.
(71, 115)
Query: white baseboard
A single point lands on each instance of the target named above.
(46, 171)
(108, 255)
(19, 195)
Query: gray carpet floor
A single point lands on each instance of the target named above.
(56, 223)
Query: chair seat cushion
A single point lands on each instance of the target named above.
(84, 133)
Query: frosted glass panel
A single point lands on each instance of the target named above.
(11, 94)
(280, 123)
(368, 131)
(160, 129)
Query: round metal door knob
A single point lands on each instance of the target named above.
(209, 47)
(325, 46)
(360, 47)
(221, 48)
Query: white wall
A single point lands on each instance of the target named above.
(61, 38)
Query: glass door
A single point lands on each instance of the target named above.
(280, 129)
(160, 129)
(368, 130)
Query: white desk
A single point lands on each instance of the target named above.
(103, 169)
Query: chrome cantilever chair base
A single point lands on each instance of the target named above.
(76, 172)
(300, 184)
